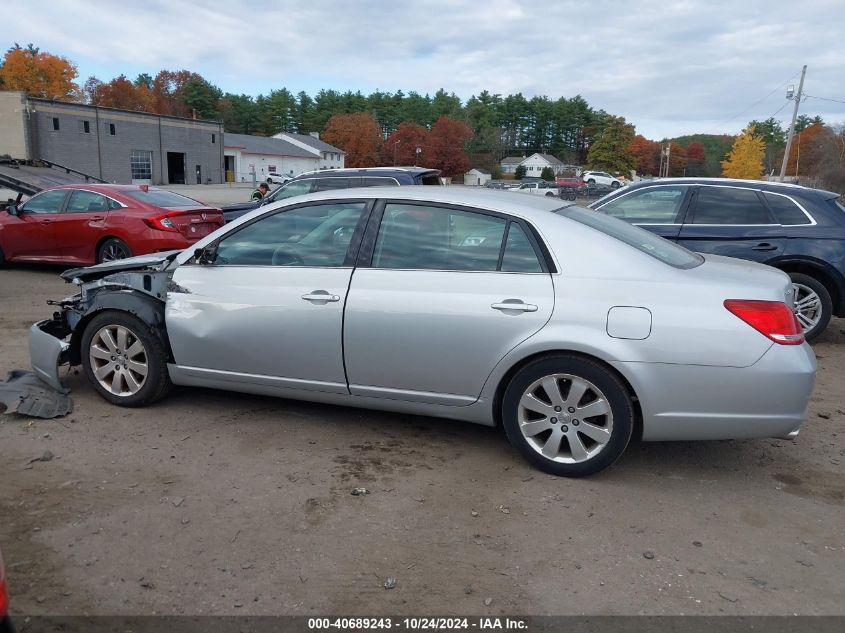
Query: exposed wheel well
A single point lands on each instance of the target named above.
(503, 384)
(102, 241)
(816, 272)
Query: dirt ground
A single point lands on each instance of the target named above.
(219, 503)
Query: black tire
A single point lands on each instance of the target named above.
(591, 181)
(614, 185)
(550, 194)
(825, 301)
(269, 181)
(112, 249)
(615, 395)
(157, 381)
(2, 258)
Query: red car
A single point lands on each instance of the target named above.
(573, 182)
(87, 224)
(5, 622)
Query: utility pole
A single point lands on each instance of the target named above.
(797, 98)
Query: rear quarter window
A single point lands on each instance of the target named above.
(785, 210)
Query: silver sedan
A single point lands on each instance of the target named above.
(571, 329)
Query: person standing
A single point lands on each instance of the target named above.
(260, 192)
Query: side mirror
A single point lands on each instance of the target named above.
(206, 256)
(12, 209)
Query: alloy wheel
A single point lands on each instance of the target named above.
(565, 418)
(113, 251)
(118, 360)
(808, 306)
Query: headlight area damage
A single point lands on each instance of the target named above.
(137, 285)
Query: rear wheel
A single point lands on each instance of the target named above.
(568, 415)
(2, 258)
(112, 249)
(813, 305)
(124, 359)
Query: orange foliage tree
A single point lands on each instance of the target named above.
(445, 147)
(400, 147)
(119, 93)
(807, 151)
(39, 74)
(677, 159)
(695, 158)
(646, 153)
(359, 135)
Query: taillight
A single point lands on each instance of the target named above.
(162, 222)
(773, 319)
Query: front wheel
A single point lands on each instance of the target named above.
(813, 305)
(614, 185)
(591, 181)
(567, 415)
(124, 359)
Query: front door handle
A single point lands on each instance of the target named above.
(97, 218)
(764, 246)
(515, 305)
(45, 221)
(321, 297)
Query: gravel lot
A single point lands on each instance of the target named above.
(220, 503)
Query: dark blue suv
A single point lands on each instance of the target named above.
(799, 230)
(338, 179)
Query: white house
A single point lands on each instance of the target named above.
(330, 156)
(534, 164)
(245, 155)
(477, 177)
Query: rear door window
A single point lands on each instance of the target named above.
(86, 201)
(785, 210)
(378, 181)
(729, 205)
(329, 184)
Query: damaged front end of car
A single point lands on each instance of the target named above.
(136, 285)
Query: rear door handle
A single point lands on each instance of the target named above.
(764, 246)
(320, 296)
(514, 304)
(46, 221)
(97, 218)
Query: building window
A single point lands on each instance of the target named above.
(55, 124)
(111, 129)
(213, 139)
(85, 127)
(141, 164)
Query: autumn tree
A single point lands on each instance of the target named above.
(118, 93)
(745, 159)
(39, 74)
(646, 155)
(359, 135)
(609, 150)
(445, 146)
(400, 148)
(808, 150)
(695, 159)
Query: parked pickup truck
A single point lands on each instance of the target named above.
(541, 188)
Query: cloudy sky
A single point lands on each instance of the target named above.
(669, 67)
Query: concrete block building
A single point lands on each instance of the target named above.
(119, 146)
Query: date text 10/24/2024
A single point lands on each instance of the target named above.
(419, 624)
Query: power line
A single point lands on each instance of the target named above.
(822, 98)
(756, 103)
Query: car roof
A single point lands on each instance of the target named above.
(363, 171)
(109, 188)
(480, 197)
(761, 184)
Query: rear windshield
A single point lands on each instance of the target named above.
(162, 198)
(644, 241)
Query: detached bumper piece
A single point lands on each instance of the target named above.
(47, 350)
(24, 392)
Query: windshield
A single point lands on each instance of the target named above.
(162, 198)
(644, 241)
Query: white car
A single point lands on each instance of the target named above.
(601, 178)
(274, 178)
(541, 188)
